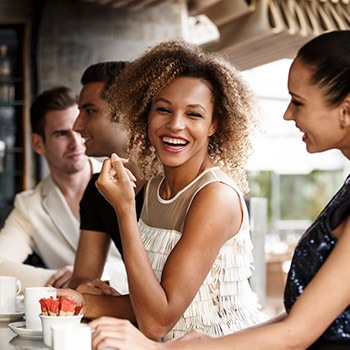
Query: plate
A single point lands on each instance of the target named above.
(11, 316)
(20, 329)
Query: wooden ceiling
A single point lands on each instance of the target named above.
(255, 32)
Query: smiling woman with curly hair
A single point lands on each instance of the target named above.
(235, 106)
(188, 258)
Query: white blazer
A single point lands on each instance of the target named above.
(42, 222)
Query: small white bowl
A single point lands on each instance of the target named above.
(49, 321)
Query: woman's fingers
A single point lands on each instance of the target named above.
(116, 183)
(117, 333)
(105, 330)
(105, 171)
(122, 173)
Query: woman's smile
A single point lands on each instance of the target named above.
(181, 122)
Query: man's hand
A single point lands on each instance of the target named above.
(97, 287)
(61, 278)
(73, 295)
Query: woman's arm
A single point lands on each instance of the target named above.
(121, 334)
(327, 295)
(215, 216)
(316, 308)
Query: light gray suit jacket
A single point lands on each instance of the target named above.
(42, 222)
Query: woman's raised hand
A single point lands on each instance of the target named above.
(116, 183)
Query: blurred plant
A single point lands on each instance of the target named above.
(301, 196)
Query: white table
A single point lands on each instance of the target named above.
(11, 341)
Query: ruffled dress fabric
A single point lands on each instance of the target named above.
(311, 252)
(225, 302)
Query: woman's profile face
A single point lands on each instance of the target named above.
(180, 121)
(318, 122)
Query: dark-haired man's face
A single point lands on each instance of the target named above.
(102, 135)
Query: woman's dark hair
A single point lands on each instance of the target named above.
(55, 99)
(329, 56)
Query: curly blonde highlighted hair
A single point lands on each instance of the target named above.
(131, 95)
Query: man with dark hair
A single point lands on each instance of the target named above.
(94, 123)
(45, 220)
(103, 135)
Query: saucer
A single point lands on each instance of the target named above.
(28, 344)
(9, 317)
(20, 329)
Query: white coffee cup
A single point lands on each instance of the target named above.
(71, 337)
(49, 322)
(32, 307)
(10, 287)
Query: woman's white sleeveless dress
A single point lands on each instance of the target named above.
(225, 302)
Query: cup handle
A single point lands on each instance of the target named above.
(19, 287)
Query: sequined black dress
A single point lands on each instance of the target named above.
(312, 250)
